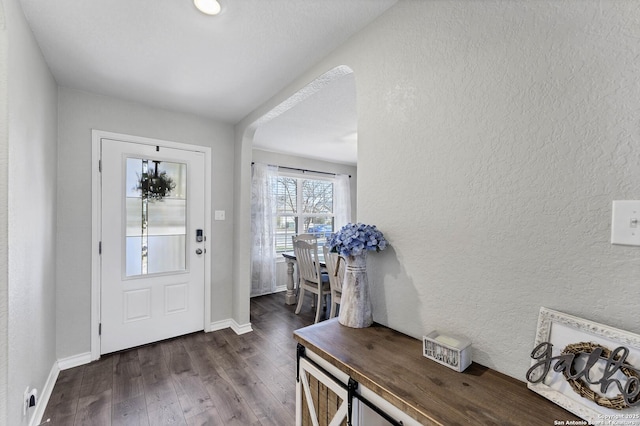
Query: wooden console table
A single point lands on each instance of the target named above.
(390, 367)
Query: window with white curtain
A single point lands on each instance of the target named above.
(303, 205)
(285, 204)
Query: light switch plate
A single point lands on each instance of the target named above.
(625, 223)
(219, 215)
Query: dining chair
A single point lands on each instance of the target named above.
(311, 278)
(335, 268)
(304, 237)
(310, 238)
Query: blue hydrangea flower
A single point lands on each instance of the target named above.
(354, 238)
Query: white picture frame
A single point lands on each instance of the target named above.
(560, 330)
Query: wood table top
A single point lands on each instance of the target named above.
(391, 364)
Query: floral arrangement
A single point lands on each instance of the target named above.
(355, 238)
(155, 186)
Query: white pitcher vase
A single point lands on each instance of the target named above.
(355, 303)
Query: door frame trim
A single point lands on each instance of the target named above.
(96, 224)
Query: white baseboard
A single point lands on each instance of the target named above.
(47, 390)
(220, 325)
(230, 323)
(74, 361)
(44, 397)
(241, 329)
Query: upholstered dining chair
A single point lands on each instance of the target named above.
(335, 268)
(311, 279)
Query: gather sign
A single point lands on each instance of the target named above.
(581, 375)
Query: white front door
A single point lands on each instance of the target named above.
(153, 223)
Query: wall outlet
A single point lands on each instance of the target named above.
(33, 398)
(29, 399)
(25, 401)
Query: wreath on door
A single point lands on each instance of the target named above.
(155, 185)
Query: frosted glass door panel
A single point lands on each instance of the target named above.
(167, 217)
(178, 172)
(134, 215)
(134, 258)
(156, 216)
(166, 254)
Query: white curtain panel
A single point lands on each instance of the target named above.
(263, 216)
(343, 201)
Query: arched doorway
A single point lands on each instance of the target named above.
(322, 115)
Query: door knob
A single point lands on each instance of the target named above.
(198, 251)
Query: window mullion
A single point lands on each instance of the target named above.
(299, 204)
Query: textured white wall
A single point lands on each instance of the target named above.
(493, 137)
(32, 130)
(79, 113)
(4, 200)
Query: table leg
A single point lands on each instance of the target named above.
(290, 296)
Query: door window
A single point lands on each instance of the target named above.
(156, 212)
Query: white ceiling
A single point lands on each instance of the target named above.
(322, 126)
(167, 54)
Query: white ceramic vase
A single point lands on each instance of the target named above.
(355, 303)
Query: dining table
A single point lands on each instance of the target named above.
(290, 297)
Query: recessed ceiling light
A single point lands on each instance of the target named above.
(208, 7)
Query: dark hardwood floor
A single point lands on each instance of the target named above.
(216, 378)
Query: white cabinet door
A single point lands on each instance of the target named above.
(313, 406)
(337, 382)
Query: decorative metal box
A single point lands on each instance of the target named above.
(454, 352)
